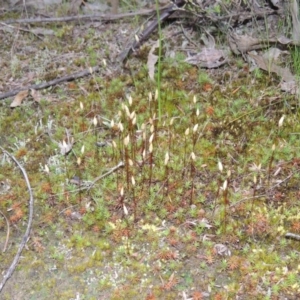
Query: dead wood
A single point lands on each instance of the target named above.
(94, 18)
(292, 236)
(19, 28)
(163, 15)
(238, 46)
(25, 238)
(52, 82)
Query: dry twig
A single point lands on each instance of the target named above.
(94, 18)
(118, 166)
(292, 236)
(13, 265)
(19, 28)
(52, 82)
(164, 14)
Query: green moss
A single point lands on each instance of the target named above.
(89, 239)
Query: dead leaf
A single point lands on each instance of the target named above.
(5, 186)
(273, 54)
(222, 250)
(75, 215)
(19, 98)
(208, 237)
(35, 95)
(152, 60)
(72, 86)
(268, 66)
(205, 223)
(66, 147)
(208, 58)
(284, 40)
(208, 40)
(244, 43)
(290, 87)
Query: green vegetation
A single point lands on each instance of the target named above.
(200, 207)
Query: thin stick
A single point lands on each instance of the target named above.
(30, 217)
(94, 18)
(264, 195)
(90, 184)
(163, 15)
(293, 236)
(52, 82)
(7, 233)
(118, 166)
(19, 28)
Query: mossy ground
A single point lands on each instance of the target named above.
(200, 208)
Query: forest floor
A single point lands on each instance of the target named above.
(185, 193)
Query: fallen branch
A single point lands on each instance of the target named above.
(118, 166)
(94, 18)
(87, 185)
(13, 265)
(19, 28)
(52, 82)
(293, 236)
(164, 14)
